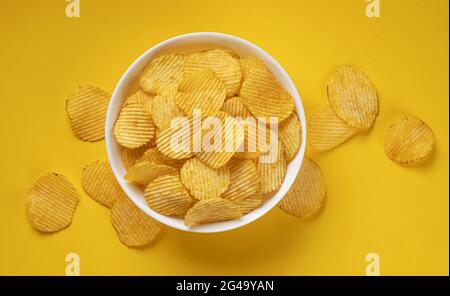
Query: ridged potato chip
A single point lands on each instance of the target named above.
(162, 73)
(306, 197)
(212, 210)
(244, 180)
(168, 196)
(164, 110)
(201, 90)
(250, 63)
(226, 67)
(86, 108)
(131, 156)
(353, 97)
(184, 132)
(249, 204)
(144, 172)
(141, 97)
(408, 140)
(134, 228)
(51, 203)
(235, 107)
(231, 53)
(272, 173)
(327, 130)
(290, 134)
(134, 127)
(152, 155)
(265, 97)
(99, 183)
(250, 147)
(202, 181)
(217, 154)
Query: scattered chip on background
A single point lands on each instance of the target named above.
(162, 73)
(250, 63)
(100, 184)
(204, 182)
(134, 227)
(134, 127)
(290, 134)
(86, 108)
(226, 67)
(306, 197)
(353, 97)
(212, 210)
(327, 130)
(408, 140)
(201, 90)
(51, 203)
(244, 180)
(265, 97)
(168, 196)
(144, 172)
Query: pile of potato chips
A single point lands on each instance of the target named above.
(210, 186)
(204, 186)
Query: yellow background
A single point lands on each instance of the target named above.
(373, 205)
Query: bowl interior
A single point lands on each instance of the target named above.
(186, 44)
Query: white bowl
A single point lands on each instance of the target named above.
(185, 44)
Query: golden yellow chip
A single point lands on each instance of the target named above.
(290, 134)
(231, 53)
(151, 155)
(164, 110)
(201, 90)
(353, 97)
(176, 141)
(134, 127)
(225, 66)
(202, 181)
(143, 98)
(131, 156)
(249, 204)
(235, 107)
(250, 63)
(265, 97)
(250, 147)
(51, 202)
(244, 180)
(144, 172)
(168, 196)
(134, 228)
(272, 173)
(99, 182)
(86, 108)
(164, 72)
(408, 140)
(306, 197)
(212, 210)
(327, 130)
(220, 140)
